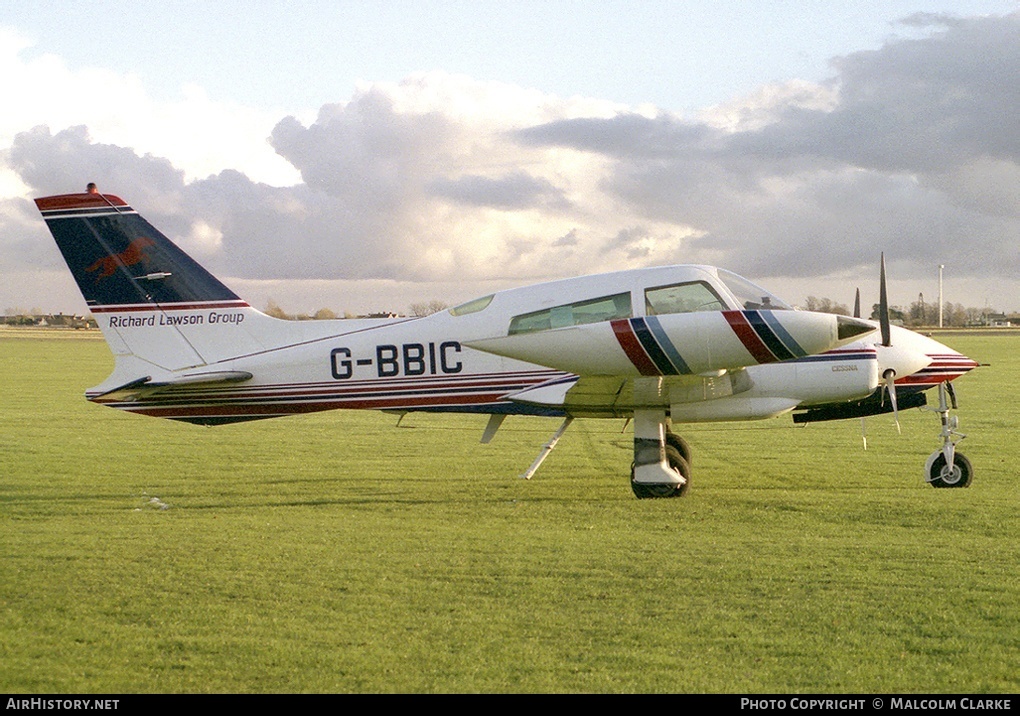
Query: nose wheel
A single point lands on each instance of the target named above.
(942, 474)
(946, 467)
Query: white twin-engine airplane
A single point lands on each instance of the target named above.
(662, 346)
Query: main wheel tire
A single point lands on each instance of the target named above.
(648, 490)
(681, 446)
(960, 476)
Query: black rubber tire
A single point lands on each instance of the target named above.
(647, 490)
(960, 476)
(681, 446)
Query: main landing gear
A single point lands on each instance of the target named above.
(662, 459)
(946, 467)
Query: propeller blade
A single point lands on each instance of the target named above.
(890, 386)
(883, 307)
(857, 304)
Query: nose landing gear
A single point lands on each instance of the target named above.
(946, 467)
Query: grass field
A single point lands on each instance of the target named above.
(339, 553)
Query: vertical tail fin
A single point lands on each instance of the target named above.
(121, 261)
(151, 300)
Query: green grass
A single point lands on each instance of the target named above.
(338, 553)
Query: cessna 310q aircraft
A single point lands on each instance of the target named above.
(662, 346)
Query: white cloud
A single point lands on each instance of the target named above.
(199, 135)
(426, 180)
(203, 239)
(441, 186)
(767, 105)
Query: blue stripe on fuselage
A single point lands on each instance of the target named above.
(768, 337)
(652, 348)
(783, 334)
(825, 357)
(667, 345)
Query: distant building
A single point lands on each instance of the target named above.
(997, 320)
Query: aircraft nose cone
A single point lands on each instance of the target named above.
(847, 328)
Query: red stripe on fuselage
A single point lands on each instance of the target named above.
(754, 345)
(632, 347)
(943, 368)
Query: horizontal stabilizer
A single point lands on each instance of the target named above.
(218, 376)
(130, 385)
(147, 386)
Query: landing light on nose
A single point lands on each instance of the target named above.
(847, 328)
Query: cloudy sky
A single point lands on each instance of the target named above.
(363, 156)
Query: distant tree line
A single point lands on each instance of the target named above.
(955, 315)
(35, 317)
(17, 316)
(324, 314)
(922, 314)
(427, 309)
(825, 305)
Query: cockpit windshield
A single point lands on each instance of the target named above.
(751, 296)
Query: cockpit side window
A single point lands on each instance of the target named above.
(682, 298)
(751, 296)
(593, 310)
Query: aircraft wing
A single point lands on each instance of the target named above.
(601, 396)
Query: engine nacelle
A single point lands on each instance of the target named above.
(835, 377)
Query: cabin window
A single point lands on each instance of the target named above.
(682, 298)
(594, 310)
(472, 306)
